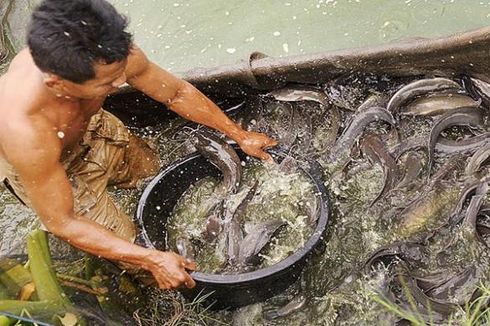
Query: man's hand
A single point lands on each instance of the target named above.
(170, 269)
(254, 144)
(188, 102)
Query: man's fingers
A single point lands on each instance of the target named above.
(174, 284)
(163, 284)
(266, 157)
(189, 264)
(189, 282)
(270, 142)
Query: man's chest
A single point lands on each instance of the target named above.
(73, 120)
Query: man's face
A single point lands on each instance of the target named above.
(108, 78)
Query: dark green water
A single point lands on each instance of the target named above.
(182, 35)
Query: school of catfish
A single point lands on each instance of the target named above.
(428, 143)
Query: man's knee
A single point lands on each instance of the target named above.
(113, 218)
(142, 162)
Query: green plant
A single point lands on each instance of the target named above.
(474, 313)
(171, 309)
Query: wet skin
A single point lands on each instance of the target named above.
(43, 119)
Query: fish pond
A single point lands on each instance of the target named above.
(407, 177)
(404, 161)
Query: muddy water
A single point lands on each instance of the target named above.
(14, 17)
(338, 288)
(16, 221)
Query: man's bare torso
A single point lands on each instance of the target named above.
(25, 101)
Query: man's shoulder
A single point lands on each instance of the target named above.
(21, 94)
(22, 62)
(21, 87)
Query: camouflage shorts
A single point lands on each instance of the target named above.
(108, 155)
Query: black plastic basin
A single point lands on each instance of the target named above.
(226, 291)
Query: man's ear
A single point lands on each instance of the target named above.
(53, 81)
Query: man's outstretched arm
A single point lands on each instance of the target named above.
(184, 99)
(36, 159)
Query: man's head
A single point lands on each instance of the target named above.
(81, 45)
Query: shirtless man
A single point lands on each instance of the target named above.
(58, 148)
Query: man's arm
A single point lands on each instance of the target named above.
(35, 156)
(185, 100)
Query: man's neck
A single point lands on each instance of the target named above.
(58, 95)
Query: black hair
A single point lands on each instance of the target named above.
(66, 37)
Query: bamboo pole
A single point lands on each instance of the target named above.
(47, 286)
(5, 321)
(14, 279)
(36, 308)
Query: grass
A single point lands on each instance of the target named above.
(171, 309)
(478, 312)
(473, 313)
